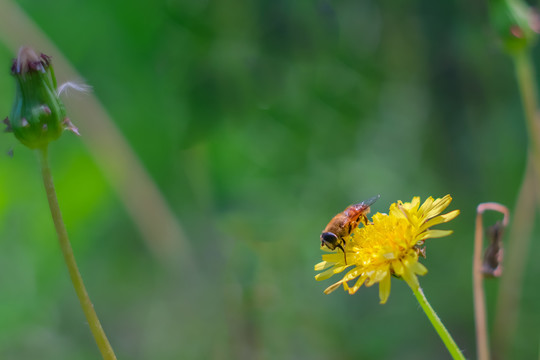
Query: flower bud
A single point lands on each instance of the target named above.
(517, 24)
(38, 115)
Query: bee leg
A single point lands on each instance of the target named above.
(344, 254)
(364, 220)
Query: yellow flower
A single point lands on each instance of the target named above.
(389, 245)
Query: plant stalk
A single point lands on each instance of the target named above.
(507, 312)
(480, 317)
(480, 313)
(87, 306)
(526, 79)
(437, 324)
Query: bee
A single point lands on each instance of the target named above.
(343, 224)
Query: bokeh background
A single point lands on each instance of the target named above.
(258, 121)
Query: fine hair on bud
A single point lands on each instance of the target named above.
(38, 116)
(66, 87)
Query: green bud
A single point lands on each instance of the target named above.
(38, 115)
(516, 23)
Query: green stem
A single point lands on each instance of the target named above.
(437, 323)
(87, 306)
(526, 79)
(510, 289)
(511, 282)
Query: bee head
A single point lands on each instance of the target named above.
(330, 240)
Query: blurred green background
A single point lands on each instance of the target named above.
(259, 121)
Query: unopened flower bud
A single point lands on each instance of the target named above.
(38, 115)
(517, 24)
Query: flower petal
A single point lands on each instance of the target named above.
(397, 266)
(434, 234)
(356, 286)
(378, 275)
(333, 257)
(352, 274)
(426, 206)
(329, 273)
(333, 287)
(439, 220)
(323, 265)
(384, 288)
(413, 205)
(397, 211)
(418, 268)
(324, 275)
(410, 278)
(438, 206)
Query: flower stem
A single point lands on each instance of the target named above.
(87, 306)
(510, 289)
(480, 313)
(526, 76)
(482, 342)
(437, 323)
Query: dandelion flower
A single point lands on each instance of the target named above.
(389, 245)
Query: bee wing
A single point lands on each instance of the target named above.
(371, 201)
